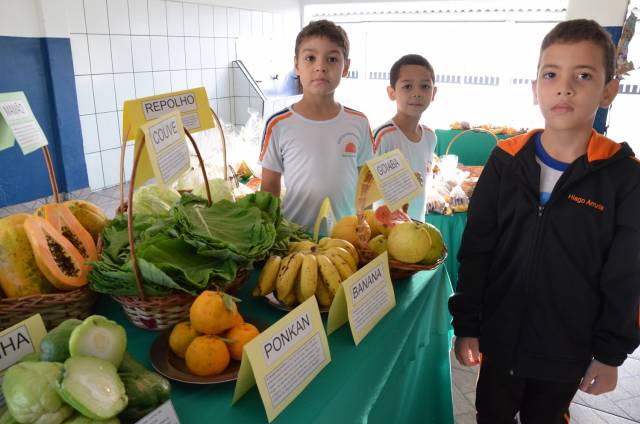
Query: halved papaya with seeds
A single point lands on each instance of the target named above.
(56, 257)
(19, 274)
(61, 218)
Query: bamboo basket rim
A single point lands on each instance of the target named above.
(471, 130)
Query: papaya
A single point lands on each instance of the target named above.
(56, 257)
(61, 218)
(19, 273)
(90, 216)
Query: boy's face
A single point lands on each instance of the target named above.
(413, 91)
(320, 64)
(570, 85)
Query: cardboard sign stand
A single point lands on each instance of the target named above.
(125, 139)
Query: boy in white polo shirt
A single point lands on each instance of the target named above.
(317, 144)
(412, 88)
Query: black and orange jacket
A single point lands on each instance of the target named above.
(546, 289)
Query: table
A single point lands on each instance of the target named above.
(452, 228)
(399, 373)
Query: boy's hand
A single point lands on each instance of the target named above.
(467, 351)
(599, 378)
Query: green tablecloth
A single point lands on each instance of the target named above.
(399, 373)
(451, 227)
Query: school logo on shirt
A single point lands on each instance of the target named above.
(348, 146)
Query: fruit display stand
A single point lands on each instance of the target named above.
(399, 373)
(160, 312)
(53, 307)
(399, 270)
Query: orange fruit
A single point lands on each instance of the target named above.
(240, 335)
(181, 337)
(209, 314)
(207, 355)
(237, 320)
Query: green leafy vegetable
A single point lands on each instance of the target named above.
(220, 190)
(154, 200)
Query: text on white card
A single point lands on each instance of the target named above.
(282, 342)
(293, 371)
(388, 167)
(15, 109)
(183, 102)
(15, 345)
(165, 133)
(367, 284)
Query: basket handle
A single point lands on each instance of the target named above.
(125, 138)
(134, 260)
(361, 198)
(475, 130)
(52, 174)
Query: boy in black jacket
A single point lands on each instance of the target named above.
(549, 281)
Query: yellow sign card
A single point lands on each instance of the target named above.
(394, 178)
(166, 154)
(363, 299)
(326, 214)
(20, 340)
(18, 122)
(193, 104)
(285, 358)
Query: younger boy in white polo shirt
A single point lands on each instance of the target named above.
(317, 144)
(412, 88)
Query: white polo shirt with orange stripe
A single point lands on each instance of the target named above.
(317, 159)
(388, 137)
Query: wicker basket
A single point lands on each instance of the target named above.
(161, 312)
(399, 270)
(53, 307)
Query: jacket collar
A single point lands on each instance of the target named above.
(599, 147)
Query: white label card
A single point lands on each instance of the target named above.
(185, 102)
(18, 122)
(164, 414)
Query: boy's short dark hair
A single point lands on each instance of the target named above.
(577, 30)
(409, 59)
(327, 29)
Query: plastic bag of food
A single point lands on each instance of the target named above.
(458, 199)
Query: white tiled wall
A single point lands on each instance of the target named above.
(124, 49)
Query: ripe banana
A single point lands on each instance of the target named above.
(322, 293)
(327, 243)
(289, 300)
(344, 269)
(287, 274)
(300, 246)
(330, 274)
(308, 277)
(267, 279)
(344, 255)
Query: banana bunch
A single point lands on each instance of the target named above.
(308, 269)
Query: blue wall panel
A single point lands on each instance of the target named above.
(43, 69)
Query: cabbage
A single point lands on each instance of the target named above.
(154, 200)
(29, 389)
(220, 190)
